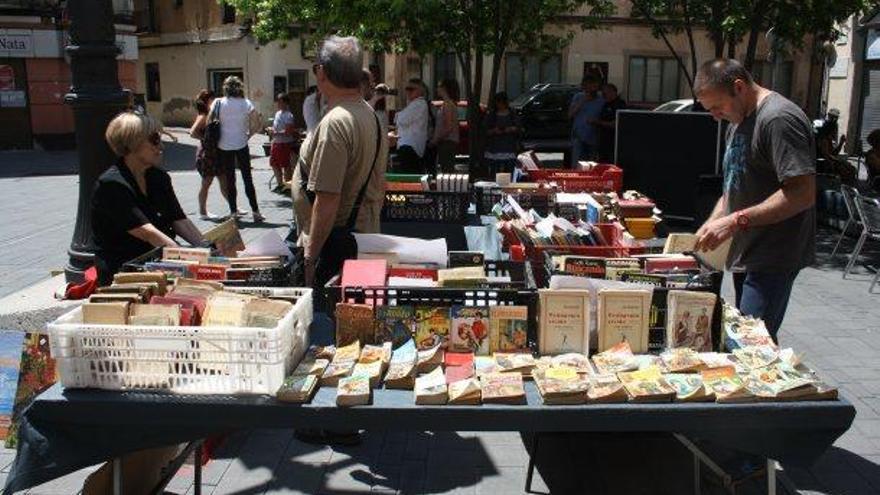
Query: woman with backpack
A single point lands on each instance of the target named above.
(206, 156)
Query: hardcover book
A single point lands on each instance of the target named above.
(509, 329)
(624, 316)
(224, 309)
(564, 323)
(354, 322)
(105, 313)
(353, 391)
(689, 319)
(297, 388)
(432, 327)
(616, 359)
(606, 388)
(644, 279)
(503, 388)
(466, 276)
(470, 330)
(430, 388)
(584, 266)
(466, 258)
(680, 243)
(616, 267)
(395, 324)
(208, 272)
(158, 278)
(164, 315)
(726, 385)
(465, 392)
(688, 387)
(199, 255)
(265, 313)
(561, 386)
(402, 370)
(646, 385)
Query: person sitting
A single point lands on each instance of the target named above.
(828, 148)
(134, 207)
(872, 159)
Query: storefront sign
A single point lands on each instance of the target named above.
(7, 78)
(15, 44)
(12, 99)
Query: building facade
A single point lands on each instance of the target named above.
(35, 71)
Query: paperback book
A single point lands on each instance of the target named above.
(647, 385)
(726, 385)
(606, 388)
(430, 358)
(432, 327)
(564, 323)
(681, 360)
(509, 329)
(617, 359)
(430, 388)
(353, 391)
(466, 392)
(688, 387)
(470, 330)
(624, 316)
(402, 369)
(395, 324)
(689, 319)
(561, 385)
(297, 388)
(354, 322)
(503, 388)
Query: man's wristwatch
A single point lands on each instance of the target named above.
(742, 220)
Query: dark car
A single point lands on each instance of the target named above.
(543, 112)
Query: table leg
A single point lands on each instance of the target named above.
(701, 456)
(696, 474)
(771, 477)
(197, 474)
(117, 476)
(531, 468)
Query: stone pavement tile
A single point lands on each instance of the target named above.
(305, 453)
(386, 477)
(444, 461)
(852, 441)
(413, 476)
(869, 468)
(462, 482)
(499, 455)
(507, 480)
(417, 446)
(499, 437)
(292, 478)
(348, 478)
(66, 485)
(452, 440)
(253, 482)
(869, 428)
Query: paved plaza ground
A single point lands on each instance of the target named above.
(834, 322)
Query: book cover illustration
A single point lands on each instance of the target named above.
(10, 365)
(646, 385)
(606, 388)
(297, 388)
(36, 373)
(353, 391)
(430, 358)
(616, 359)
(509, 328)
(564, 321)
(688, 386)
(778, 381)
(503, 387)
(465, 392)
(470, 330)
(754, 357)
(578, 362)
(689, 319)
(354, 322)
(715, 359)
(681, 359)
(432, 327)
(520, 362)
(395, 324)
(311, 366)
(725, 383)
(561, 381)
(624, 316)
(616, 267)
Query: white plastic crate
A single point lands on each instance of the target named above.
(191, 360)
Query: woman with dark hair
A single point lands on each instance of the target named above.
(445, 139)
(206, 157)
(872, 159)
(502, 137)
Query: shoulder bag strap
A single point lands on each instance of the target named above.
(352, 218)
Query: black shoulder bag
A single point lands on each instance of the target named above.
(340, 244)
(212, 129)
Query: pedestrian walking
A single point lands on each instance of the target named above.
(283, 134)
(446, 134)
(236, 114)
(767, 207)
(584, 111)
(607, 123)
(503, 132)
(207, 163)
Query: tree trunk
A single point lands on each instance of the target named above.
(716, 31)
(755, 25)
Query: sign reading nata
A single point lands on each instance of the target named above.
(15, 43)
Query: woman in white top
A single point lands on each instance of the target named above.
(445, 138)
(312, 110)
(236, 114)
(412, 130)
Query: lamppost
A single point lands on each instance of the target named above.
(95, 97)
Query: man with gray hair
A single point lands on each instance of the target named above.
(339, 182)
(767, 207)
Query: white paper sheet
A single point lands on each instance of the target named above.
(407, 249)
(269, 244)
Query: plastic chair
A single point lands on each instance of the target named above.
(869, 211)
(850, 196)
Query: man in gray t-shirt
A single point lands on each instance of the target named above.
(769, 189)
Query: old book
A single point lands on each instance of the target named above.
(225, 309)
(624, 316)
(395, 324)
(105, 313)
(562, 385)
(681, 360)
(573, 360)
(644, 279)
(466, 258)
(174, 269)
(137, 277)
(353, 391)
(564, 321)
(142, 290)
(484, 365)
(584, 266)
(350, 352)
(689, 319)
(465, 276)
(726, 385)
(754, 357)
(606, 388)
(430, 358)
(364, 273)
(430, 388)
(466, 392)
(402, 370)
(671, 264)
(311, 366)
(371, 369)
(680, 243)
(378, 353)
(502, 388)
(109, 298)
(197, 285)
(335, 371)
(265, 313)
(297, 388)
(716, 258)
(715, 359)
(508, 329)
(164, 315)
(517, 362)
(646, 385)
(354, 322)
(458, 366)
(688, 387)
(778, 382)
(432, 327)
(226, 238)
(616, 359)
(322, 352)
(208, 271)
(457, 373)
(616, 267)
(199, 255)
(470, 330)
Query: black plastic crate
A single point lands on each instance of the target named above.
(520, 291)
(258, 277)
(542, 202)
(434, 206)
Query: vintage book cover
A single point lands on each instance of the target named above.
(624, 316)
(297, 388)
(225, 309)
(689, 319)
(322, 352)
(105, 313)
(508, 329)
(164, 315)
(395, 324)
(646, 385)
(780, 382)
(199, 255)
(136, 277)
(336, 371)
(353, 391)
(606, 388)
(667, 264)
(370, 369)
(350, 352)
(584, 266)
(402, 370)
(311, 366)
(354, 322)
(466, 258)
(715, 359)
(644, 279)
(430, 388)
(265, 313)
(754, 357)
(457, 373)
(10, 363)
(143, 291)
(616, 267)
(561, 386)
(726, 385)
(38, 371)
(503, 388)
(466, 392)
(111, 298)
(432, 327)
(616, 359)
(681, 360)
(578, 362)
(518, 362)
(175, 269)
(680, 243)
(191, 308)
(430, 358)
(226, 238)
(484, 365)
(564, 321)
(208, 272)
(688, 387)
(470, 330)
(372, 353)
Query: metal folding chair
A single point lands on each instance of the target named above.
(850, 196)
(868, 210)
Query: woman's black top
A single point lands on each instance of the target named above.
(118, 205)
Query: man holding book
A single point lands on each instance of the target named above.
(767, 209)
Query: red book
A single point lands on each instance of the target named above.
(186, 316)
(364, 273)
(678, 263)
(427, 273)
(459, 359)
(208, 272)
(458, 373)
(195, 305)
